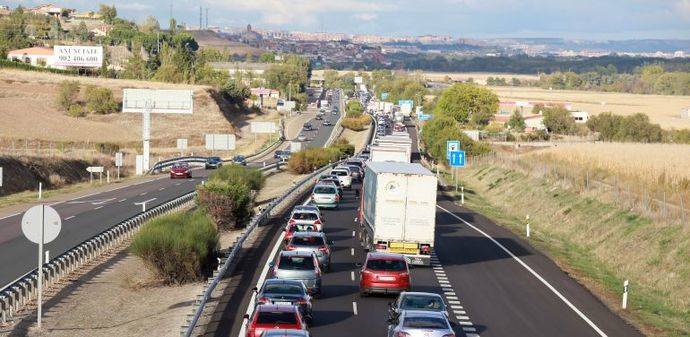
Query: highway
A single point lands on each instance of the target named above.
(494, 282)
(89, 215)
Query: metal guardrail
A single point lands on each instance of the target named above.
(169, 162)
(198, 307)
(16, 295)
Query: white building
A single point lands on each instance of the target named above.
(36, 56)
(580, 117)
(534, 123)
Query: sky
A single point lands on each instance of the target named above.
(574, 19)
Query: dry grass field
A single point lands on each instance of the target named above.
(476, 77)
(653, 164)
(664, 110)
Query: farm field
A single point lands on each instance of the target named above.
(476, 76)
(661, 109)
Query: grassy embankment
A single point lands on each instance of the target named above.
(598, 243)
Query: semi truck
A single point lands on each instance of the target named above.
(398, 210)
(383, 153)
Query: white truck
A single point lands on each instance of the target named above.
(398, 210)
(295, 147)
(382, 153)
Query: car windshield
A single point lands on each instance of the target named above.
(386, 265)
(237, 158)
(422, 302)
(307, 241)
(305, 216)
(425, 323)
(276, 317)
(324, 190)
(296, 263)
(339, 173)
(180, 165)
(214, 159)
(289, 289)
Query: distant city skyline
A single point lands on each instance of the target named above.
(584, 19)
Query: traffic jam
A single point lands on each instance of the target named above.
(395, 225)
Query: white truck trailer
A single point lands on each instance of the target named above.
(398, 210)
(392, 153)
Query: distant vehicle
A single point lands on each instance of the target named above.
(306, 215)
(314, 242)
(239, 160)
(356, 172)
(327, 178)
(180, 170)
(327, 123)
(283, 155)
(334, 112)
(302, 137)
(271, 317)
(319, 117)
(420, 323)
(384, 273)
(308, 127)
(291, 292)
(400, 216)
(213, 163)
(325, 195)
(299, 265)
(417, 301)
(344, 175)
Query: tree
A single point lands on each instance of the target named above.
(99, 100)
(468, 104)
(516, 122)
(354, 108)
(67, 94)
(267, 57)
(136, 68)
(108, 13)
(150, 25)
(82, 32)
(234, 92)
(558, 120)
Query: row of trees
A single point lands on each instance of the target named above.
(290, 77)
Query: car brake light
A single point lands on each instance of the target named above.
(264, 300)
(292, 222)
(290, 247)
(324, 249)
(425, 249)
(317, 222)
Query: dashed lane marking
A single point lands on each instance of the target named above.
(354, 308)
(452, 299)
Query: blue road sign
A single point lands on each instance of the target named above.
(457, 158)
(451, 146)
(384, 96)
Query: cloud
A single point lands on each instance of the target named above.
(366, 16)
(300, 12)
(134, 6)
(683, 7)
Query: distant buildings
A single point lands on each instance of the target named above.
(35, 56)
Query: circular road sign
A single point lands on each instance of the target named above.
(33, 219)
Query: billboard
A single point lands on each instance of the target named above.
(358, 80)
(78, 56)
(263, 127)
(159, 101)
(220, 142)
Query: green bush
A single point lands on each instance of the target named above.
(240, 174)
(309, 160)
(76, 111)
(68, 91)
(443, 128)
(354, 108)
(228, 203)
(100, 100)
(633, 128)
(344, 147)
(26, 66)
(178, 247)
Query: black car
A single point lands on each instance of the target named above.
(282, 155)
(239, 160)
(327, 123)
(308, 127)
(279, 291)
(213, 163)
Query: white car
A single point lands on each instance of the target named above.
(344, 176)
(325, 195)
(306, 215)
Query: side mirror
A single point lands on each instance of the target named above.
(284, 230)
(271, 264)
(246, 316)
(331, 242)
(358, 264)
(255, 289)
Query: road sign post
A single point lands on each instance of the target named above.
(0, 176)
(625, 294)
(41, 224)
(118, 163)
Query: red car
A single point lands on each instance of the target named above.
(180, 170)
(384, 273)
(272, 316)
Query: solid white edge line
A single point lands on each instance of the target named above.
(352, 275)
(69, 217)
(262, 278)
(9, 216)
(534, 273)
(354, 308)
(99, 207)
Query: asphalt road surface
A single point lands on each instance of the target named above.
(495, 284)
(84, 217)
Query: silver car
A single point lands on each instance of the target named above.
(292, 292)
(414, 323)
(315, 242)
(299, 265)
(285, 333)
(412, 300)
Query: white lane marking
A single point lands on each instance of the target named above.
(353, 234)
(144, 193)
(9, 216)
(466, 323)
(69, 217)
(352, 251)
(123, 200)
(161, 189)
(99, 207)
(145, 201)
(534, 273)
(462, 318)
(352, 275)
(354, 308)
(468, 329)
(471, 335)
(178, 184)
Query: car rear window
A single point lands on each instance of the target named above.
(419, 302)
(425, 323)
(296, 263)
(386, 265)
(305, 216)
(276, 317)
(339, 173)
(282, 289)
(324, 190)
(307, 241)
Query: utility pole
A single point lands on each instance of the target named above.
(201, 15)
(206, 17)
